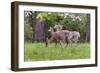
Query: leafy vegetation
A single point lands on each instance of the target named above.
(71, 21)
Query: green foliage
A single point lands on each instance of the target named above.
(28, 33)
(71, 21)
(38, 52)
(51, 18)
(76, 22)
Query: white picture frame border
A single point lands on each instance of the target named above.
(23, 64)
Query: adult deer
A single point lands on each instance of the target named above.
(58, 37)
(73, 36)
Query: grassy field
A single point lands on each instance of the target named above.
(38, 52)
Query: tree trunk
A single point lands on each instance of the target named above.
(33, 25)
(39, 30)
(88, 28)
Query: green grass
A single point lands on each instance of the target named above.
(38, 52)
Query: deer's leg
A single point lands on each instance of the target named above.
(46, 42)
(75, 40)
(70, 42)
(61, 44)
(56, 43)
(66, 41)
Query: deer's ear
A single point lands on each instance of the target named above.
(61, 25)
(50, 27)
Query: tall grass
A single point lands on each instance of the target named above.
(38, 52)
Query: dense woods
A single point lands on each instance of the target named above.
(39, 22)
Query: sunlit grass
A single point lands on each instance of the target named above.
(38, 52)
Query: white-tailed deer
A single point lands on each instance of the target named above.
(73, 36)
(58, 37)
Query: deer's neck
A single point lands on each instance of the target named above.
(52, 32)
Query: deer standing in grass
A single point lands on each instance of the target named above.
(58, 37)
(73, 36)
